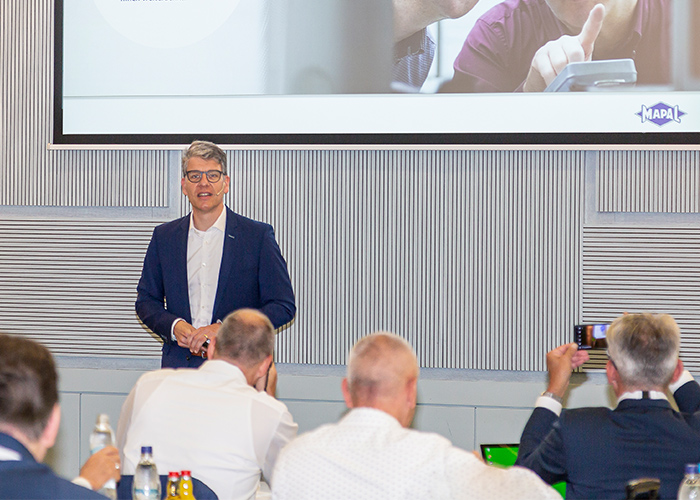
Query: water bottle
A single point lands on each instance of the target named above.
(690, 486)
(102, 435)
(146, 480)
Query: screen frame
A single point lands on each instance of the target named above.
(500, 140)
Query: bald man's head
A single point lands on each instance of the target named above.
(382, 373)
(246, 336)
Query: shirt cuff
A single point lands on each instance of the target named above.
(682, 380)
(172, 329)
(81, 481)
(550, 404)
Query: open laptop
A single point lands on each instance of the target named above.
(504, 455)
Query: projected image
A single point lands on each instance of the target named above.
(251, 67)
(523, 45)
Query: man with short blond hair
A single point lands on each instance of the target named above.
(371, 452)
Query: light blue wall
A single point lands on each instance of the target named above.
(469, 407)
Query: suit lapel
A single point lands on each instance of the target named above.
(227, 260)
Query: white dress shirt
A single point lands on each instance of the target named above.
(369, 455)
(205, 250)
(207, 420)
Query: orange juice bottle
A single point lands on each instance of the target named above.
(185, 489)
(172, 488)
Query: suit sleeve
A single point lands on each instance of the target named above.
(276, 293)
(542, 447)
(688, 397)
(150, 299)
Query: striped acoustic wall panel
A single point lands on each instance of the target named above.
(644, 269)
(71, 284)
(649, 182)
(472, 256)
(34, 176)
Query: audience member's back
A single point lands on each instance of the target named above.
(371, 452)
(211, 420)
(598, 450)
(29, 421)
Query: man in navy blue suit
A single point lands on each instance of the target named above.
(29, 422)
(200, 268)
(598, 450)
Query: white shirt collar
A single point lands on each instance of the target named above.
(641, 395)
(8, 455)
(364, 414)
(220, 223)
(224, 368)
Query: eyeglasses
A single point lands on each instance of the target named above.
(196, 175)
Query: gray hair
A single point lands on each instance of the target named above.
(246, 336)
(644, 348)
(375, 363)
(207, 151)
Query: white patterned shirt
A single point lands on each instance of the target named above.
(369, 455)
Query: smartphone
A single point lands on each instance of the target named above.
(591, 336)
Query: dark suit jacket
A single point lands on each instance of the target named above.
(253, 274)
(28, 479)
(598, 450)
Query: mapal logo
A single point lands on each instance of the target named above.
(660, 114)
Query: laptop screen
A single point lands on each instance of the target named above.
(504, 455)
(501, 455)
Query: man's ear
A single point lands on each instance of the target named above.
(613, 375)
(677, 372)
(263, 367)
(48, 436)
(346, 393)
(412, 392)
(211, 350)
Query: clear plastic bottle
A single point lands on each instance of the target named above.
(146, 480)
(102, 435)
(173, 485)
(185, 489)
(690, 486)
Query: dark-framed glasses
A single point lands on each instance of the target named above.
(196, 175)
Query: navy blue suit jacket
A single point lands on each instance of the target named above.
(598, 450)
(253, 274)
(28, 479)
